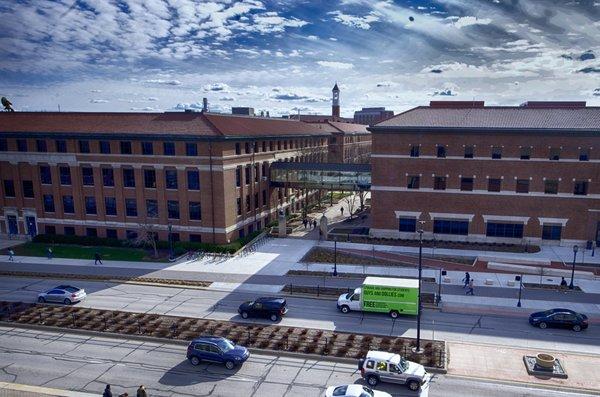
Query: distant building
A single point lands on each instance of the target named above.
(371, 116)
(242, 111)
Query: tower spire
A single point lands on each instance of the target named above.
(335, 102)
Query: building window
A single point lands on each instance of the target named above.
(466, 184)
(494, 184)
(3, 145)
(195, 211)
(84, 146)
(171, 179)
(110, 205)
(256, 202)
(195, 238)
(439, 183)
(169, 148)
(238, 149)
(278, 145)
(65, 175)
(584, 155)
(580, 188)
(247, 203)
(469, 151)
(9, 188)
(41, 145)
(45, 175)
(407, 224)
(551, 187)
(61, 145)
(441, 151)
(247, 147)
(413, 182)
(264, 146)
(415, 151)
(525, 153)
(50, 229)
(247, 174)
(91, 232)
(551, 232)
(522, 186)
(28, 189)
(128, 177)
(271, 146)
(68, 204)
(48, 203)
(496, 152)
(193, 179)
(69, 230)
(105, 147)
(554, 154)
(87, 174)
(130, 207)
(191, 149)
(173, 209)
(264, 197)
(256, 172)
(152, 208)
(442, 226)
(239, 206)
(147, 148)
(90, 205)
(131, 234)
(22, 145)
(112, 233)
(108, 177)
(150, 179)
(238, 176)
(508, 230)
(125, 147)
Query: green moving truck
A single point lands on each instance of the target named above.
(394, 296)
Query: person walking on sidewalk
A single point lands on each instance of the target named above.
(97, 258)
(107, 392)
(304, 222)
(466, 279)
(49, 252)
(141, 392)
(11, 255)
(342, 210)
(563, 284)
(470, 290)
(314, 224)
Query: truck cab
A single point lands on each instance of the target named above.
(350, 301)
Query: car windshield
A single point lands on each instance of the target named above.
(546, 313)
(72, 289)
(225, 345)
(367, 392)
(403, 364)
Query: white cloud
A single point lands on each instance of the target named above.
(312, 37)
(469, 21)
(221, 87)
(353, 20)
(98, 101)
(335, 65)
(163, 82)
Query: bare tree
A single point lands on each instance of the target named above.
(351, 201)
(362, 195)
(147, 237)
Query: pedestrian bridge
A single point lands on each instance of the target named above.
(329, 176)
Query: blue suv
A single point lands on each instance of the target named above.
(218, 350)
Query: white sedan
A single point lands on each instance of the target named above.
(354, 390)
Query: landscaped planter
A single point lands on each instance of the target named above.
(545, 360)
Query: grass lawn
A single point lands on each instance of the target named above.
(82, 252)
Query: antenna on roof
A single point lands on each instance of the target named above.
(59, 107)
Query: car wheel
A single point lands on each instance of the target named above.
(274, 317)
(67, 301)
(394, 314)
(543, 325)
(41, 299)
(577, 328)
(229, 364)
(345, 309)
(244, 314)
(413, 385)
(194, 360)
(372, 380)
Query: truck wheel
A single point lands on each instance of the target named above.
(345, 309)
(413, 385)
(372, 380)
(394, 314)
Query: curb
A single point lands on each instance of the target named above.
(144, 338)
(45, 391)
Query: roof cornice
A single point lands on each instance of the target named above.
(478, 130)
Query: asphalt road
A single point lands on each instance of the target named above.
(76, 362)
(313, 313)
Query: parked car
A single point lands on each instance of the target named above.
(559, 318)
(66, 294)
(354, 390)
(272, 308)
(217, 350)
(381, 366)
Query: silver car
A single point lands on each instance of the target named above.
(66, 294)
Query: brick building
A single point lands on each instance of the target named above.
(105, 174)
(371, 116)
(348, 143)
(486, 173)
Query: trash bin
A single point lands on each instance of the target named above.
(588, 245)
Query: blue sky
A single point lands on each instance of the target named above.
(285, 56)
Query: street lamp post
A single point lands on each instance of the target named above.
(439, 294)
(170, 227)
(520, 280)
(575, 248)
(418, 347)
(335, 258)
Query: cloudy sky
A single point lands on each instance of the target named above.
(285, 56)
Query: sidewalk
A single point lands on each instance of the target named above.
(8, 389)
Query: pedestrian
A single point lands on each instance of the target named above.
(315, 223)
(466, 279)
(563, 284)
(470, 290)
(107, 392)
(141, 392)
(49, 252)
(305, 222)
(342, 210)
(97, 258)
(11, 255)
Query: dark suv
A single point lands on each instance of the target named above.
(217, 350)
(272, 308)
